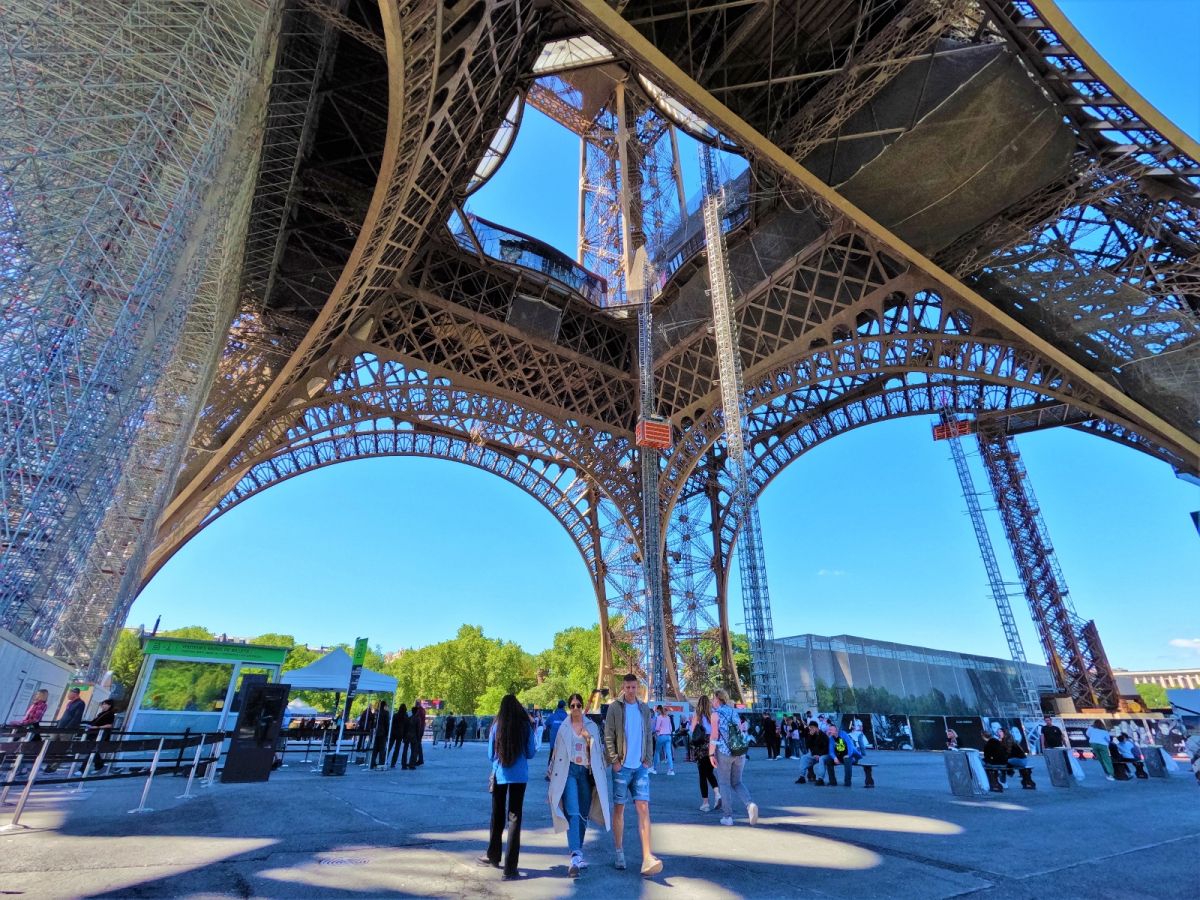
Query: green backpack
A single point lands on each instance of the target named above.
(734, 739)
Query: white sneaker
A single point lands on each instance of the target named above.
(752, 810)
(619, 862)
(653, 771)
(704, 807)
(726, 820)
(671, 772)
(573, 868)
(1109, 778)
(583, 863)
(716, 799)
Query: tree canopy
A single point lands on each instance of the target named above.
(470, 672)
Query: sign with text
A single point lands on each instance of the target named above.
(356, 667)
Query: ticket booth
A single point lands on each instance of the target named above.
(192, 685)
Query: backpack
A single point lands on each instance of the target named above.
(699, 740)
(734, 739)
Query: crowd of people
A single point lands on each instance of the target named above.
(595, 772)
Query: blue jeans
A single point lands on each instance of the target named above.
(662, 750)
(577, 803)
(831, 761)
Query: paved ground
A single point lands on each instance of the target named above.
(417, 833)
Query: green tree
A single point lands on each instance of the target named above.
(1153, 695)
(189, 633)
(126, 660)
(271, 639)
(568, 667)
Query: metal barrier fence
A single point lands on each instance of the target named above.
(128, 755)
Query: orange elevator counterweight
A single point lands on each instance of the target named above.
(653, 432)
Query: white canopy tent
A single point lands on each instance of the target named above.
(332, 673)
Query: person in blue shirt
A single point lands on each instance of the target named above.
(556, 719)
(511, 744)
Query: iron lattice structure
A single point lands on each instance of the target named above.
(953, 428)
(127, 132)
(174, 343)
(1072, 646)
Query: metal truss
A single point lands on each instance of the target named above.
(128, 128)
(360, 323)
(755, 598)
(1072, 646)
(1016, 650)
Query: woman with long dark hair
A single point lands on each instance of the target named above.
(511, 745)
(579, 781)
(702, 718)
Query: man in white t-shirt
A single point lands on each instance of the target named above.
(629, 747)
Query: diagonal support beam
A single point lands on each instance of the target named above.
(620, 35)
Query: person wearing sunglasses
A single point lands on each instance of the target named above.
(579, 781)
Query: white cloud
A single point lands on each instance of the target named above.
(830, 573)
(1186, 643)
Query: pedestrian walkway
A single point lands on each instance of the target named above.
(397, 833)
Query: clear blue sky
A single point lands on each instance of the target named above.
(865, 535)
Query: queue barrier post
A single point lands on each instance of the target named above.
(87, 770)
(212, 766)
(12, 775)
(33, 773)
(149, 778)
(187, 791)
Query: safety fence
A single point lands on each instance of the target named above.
(45, 761)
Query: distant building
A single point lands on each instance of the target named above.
(818, 672)
(1183, 679)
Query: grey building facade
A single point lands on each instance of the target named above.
(844, 671)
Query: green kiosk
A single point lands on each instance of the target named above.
(194, 685)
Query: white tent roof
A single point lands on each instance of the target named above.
(332, 673)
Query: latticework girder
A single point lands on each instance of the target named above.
(1072, 646)
(383, 117)
(127, 130)
(752, 563)
(991, 565)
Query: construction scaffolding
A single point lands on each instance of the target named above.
(752, 562)
(952, 430)
(1072, 646)
(128, 138)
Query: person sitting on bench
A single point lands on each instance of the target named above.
(1001, 754)
(1127, 755)
(816, 746)
(841, 750)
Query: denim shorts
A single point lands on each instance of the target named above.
(631, 784)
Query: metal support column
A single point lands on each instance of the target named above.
(1072, 646)
(756, 601)
(952, 428)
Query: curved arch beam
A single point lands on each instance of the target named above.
(376, 389)
(875, 345)
(443, 64)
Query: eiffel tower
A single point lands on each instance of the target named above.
(234, 248)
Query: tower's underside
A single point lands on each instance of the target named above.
(947, 201)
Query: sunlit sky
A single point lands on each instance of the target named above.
(866, 534)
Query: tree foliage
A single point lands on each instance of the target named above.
(1153, 695)
(568, 667)
(467, 672)
(189, 633)
(126, 660)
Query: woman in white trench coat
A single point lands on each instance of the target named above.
(579, 781)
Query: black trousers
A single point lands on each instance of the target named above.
(397, 747)
(507, 802)
(707, 777)
(379, 753)
(772, 746)
(413, 754)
